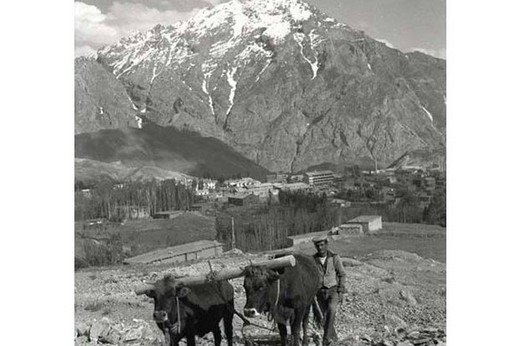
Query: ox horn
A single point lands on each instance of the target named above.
(143, 288)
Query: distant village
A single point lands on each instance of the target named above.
(351, 188)
(365, 188)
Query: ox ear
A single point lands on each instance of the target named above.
(280, 270)
(150, 292)
(182, 291)
(272, 275)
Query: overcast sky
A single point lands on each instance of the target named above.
(405, 24)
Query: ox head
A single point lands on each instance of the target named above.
(170, 303)
(259, 284)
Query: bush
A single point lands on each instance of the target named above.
(102, 254)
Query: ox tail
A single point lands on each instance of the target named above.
(317, 313)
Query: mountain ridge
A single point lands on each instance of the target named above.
(170, 150)
(285, 85)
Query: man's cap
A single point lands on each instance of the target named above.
(320, 238)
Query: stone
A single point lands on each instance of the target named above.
(97, 329)
(82, 328)
(110, 335)
(133, 334)
(408, 297)
(81, 340)
(414, 335)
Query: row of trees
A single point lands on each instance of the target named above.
(112, 201)
(267, 227)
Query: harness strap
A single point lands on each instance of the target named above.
(178, 315)
(277, 292)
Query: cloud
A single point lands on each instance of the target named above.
(85, 50)
(90, 26)
(95, 28)
(438, 53)
(129, 17)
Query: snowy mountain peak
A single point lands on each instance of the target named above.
(220, 28)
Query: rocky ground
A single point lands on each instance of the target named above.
(395, 298)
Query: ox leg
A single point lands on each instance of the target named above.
(190, 339)
(282, 328)
(217, 335)
(228, 327)
(174, 339)
(296, 327)
(305, 324)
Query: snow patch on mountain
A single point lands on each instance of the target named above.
(139, 122)
(251, 51)
(205, 82)
(262, 71)
(299, 37)
(154, 73)
(428, 113)
(225, 25)
(233, 84)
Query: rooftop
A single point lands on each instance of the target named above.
(314, 173)
(173, 251)
(365, 218)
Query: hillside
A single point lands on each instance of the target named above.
(87, 170)
(152, 150)
(394, 298)
(280, 82)
(420, 159)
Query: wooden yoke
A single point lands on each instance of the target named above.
(225, 273)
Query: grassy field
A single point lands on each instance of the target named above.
(183, 229)
(141, 236)
(425, 240)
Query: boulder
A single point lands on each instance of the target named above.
(408, 297)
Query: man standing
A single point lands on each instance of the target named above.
(333, 285)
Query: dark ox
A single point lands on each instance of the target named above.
(287, 294)
(182, 311)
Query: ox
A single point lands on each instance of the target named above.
(286, 293)
(182, 311)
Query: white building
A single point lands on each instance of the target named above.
(369, 223)
(242, 183)
(319, 178)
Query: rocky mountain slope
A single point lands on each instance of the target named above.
(420, 159)
(101, 101)
(86, 170)
(282, 83)
(160, 152)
